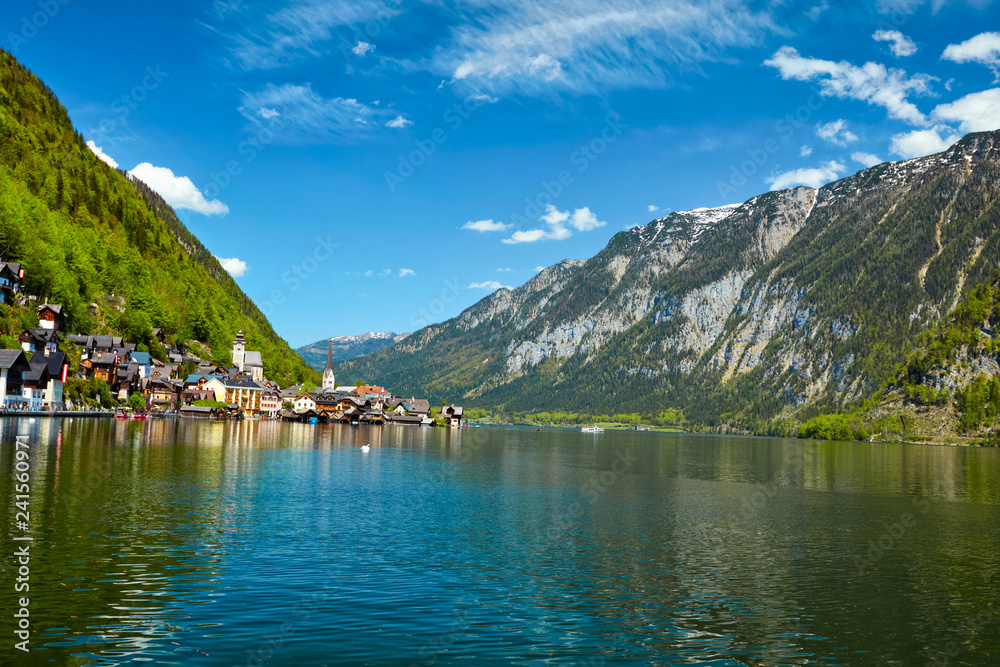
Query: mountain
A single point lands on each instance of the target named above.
(83, 230)
(793, 301)
(347, 347)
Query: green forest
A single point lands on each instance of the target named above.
(83, 231)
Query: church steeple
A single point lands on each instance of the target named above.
(329, 383)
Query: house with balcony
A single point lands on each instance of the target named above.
(11, 275)
(13, 366)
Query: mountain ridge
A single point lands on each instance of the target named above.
(800, 297)
(348, 347)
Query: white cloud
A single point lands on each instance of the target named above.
(273, 39)
(236, 267)
(399, 122)
(369, 273)
(540, 268)
(489, 285)
(652, 208)
(406, 272)
(814, 178)
(583, 45)
(99, 152)
(871, 83)
(815, 12)
(529, 236)
(485, 226)
(581, 219)
(584, 220)
(363, 48)
(507, 270)
(307, 117)
(866, 159)
(178, 191)
(805, 151)
(836, 132)
(976, 112)
(900, 45)
(923, 142)
(984, 48)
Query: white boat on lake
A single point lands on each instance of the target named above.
(592, 429)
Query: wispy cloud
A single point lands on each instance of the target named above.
(406, 272)
(984, 48)
(399, 122)
(362, 49)
(652, 208)
(585, 45)
(178, 191)
(263, 40)
(485, 226)
(308, 117)
(489, 285)
(872, 82)
(237, 268)
(805, 151)
(815, 177)
(900, 45)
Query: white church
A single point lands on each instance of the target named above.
(247, 361)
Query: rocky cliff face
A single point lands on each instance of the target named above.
(798, 296)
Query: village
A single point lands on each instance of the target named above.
(33, 378)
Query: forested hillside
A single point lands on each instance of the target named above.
(83, 230)
(792, 303)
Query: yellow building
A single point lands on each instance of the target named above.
(242, 392)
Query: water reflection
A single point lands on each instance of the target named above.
(263, 542)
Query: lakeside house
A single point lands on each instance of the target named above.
(38, 382)
(13, 366)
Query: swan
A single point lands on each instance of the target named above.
(365, 448)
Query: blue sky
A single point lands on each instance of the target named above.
(378, 165)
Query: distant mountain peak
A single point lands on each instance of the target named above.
(348, 347)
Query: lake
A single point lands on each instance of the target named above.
(193, 543)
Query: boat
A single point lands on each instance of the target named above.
(592, 429)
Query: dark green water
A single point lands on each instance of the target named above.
(191, 543)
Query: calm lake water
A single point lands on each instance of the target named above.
(192, 543)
